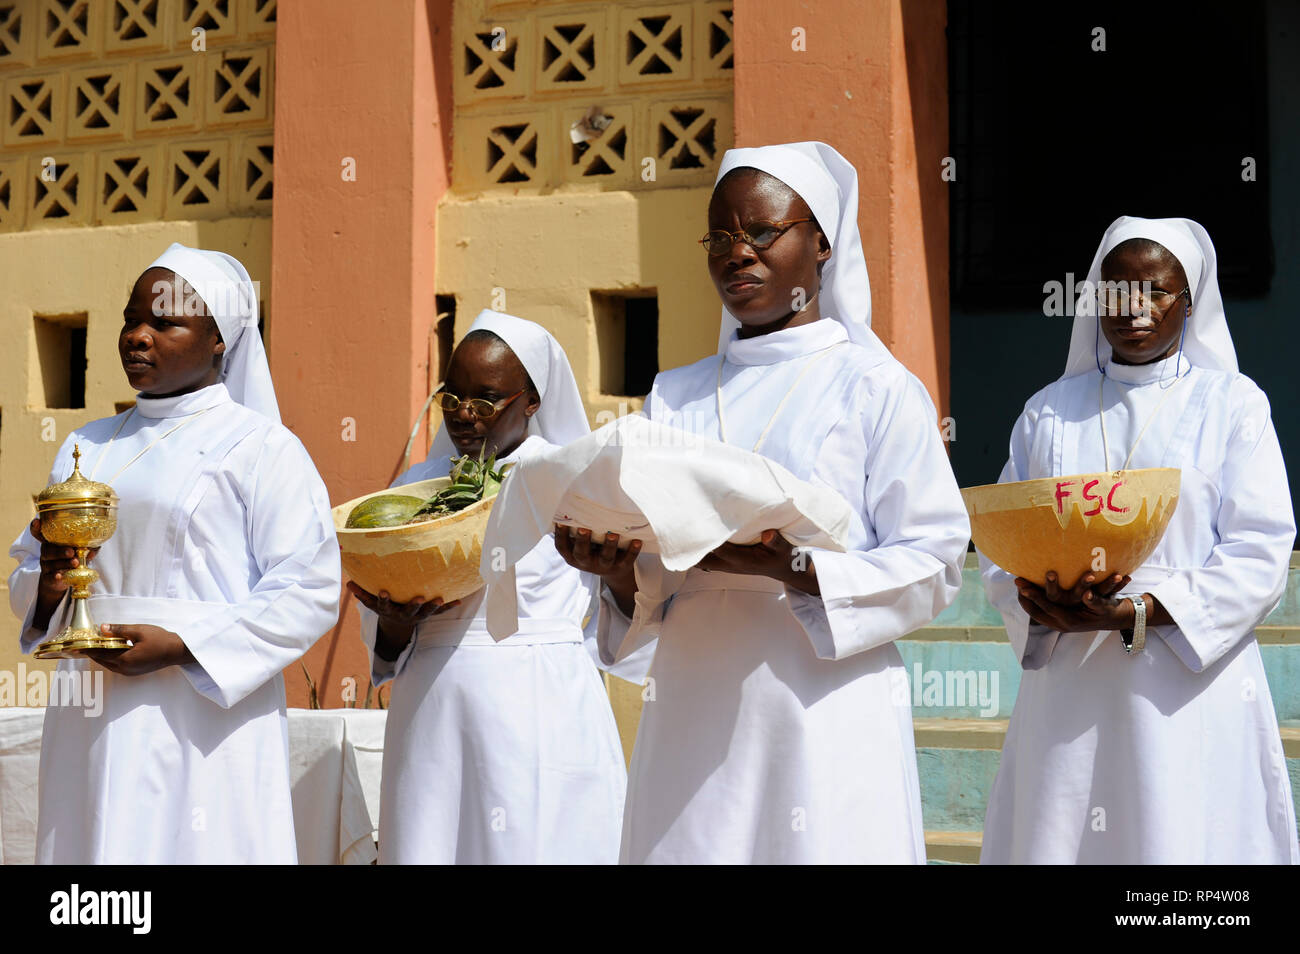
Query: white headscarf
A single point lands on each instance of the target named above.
(1206, 340)
(231, 296)
(561, 417)
(829, 184)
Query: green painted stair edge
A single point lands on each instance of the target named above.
(957, 761)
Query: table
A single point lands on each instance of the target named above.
(335, 764)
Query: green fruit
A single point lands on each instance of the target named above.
(386, 510)
(471, 481)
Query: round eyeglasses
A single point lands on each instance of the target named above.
(481, 408)
(760, 234)
(1115, 298)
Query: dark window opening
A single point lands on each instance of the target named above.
(627, 337)
(61, 359)
(444, 330)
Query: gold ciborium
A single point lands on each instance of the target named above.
(81, 514)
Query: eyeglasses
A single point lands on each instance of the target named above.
(480, 407)
(758, 234)
(1113, 298)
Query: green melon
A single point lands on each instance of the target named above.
(386, 510)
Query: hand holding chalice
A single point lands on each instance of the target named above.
(80, 514)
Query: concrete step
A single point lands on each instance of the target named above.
(953, 847)
(934, 733)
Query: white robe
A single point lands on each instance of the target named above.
(1171, 756)
(777, 726)
(500, 753)
(224, 536)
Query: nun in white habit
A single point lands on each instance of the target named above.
(777, 726)
(1144, 731)
(223, 570)
(498, 752)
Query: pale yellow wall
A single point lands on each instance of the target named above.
(533, 224)
(114, 116)
(546, 253)
(69, 271)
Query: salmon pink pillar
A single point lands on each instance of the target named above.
(870, 78)
(362, 151)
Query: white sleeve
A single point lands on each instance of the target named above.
(604, 635)
(296, 598)
(1032, 642)
(871, 596)
(1217, 605)
(382, 670)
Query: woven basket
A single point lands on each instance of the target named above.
(437, 558)
(1107, 523)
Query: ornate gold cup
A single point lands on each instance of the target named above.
(81, 514)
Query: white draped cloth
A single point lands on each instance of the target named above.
(774, 729)
(1173, 755)
(681, 494)
(224, 536)
(500, 752)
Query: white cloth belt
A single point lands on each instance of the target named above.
(462, 632)
(153, 610)
(715, 580)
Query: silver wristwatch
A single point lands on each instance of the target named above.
(1135, 639)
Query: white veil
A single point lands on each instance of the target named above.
(561, 418)
(829, 184)
(231, 296)
(1206, 340)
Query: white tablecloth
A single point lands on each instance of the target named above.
(335, 764)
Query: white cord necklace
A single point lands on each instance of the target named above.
(1101, 414)
(722, 424)
(149, 447)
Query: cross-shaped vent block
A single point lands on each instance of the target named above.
(166, 95)
(134, 25)
(713, 42)
(512, 152)
(604, 158)
(216, 18)
(254, 174)
(17, 32)
(196, 184)
(491, 63)
(130, 186)
(97, 101)
(656, 44)
(13, 183)
(59, 190)
(689, 137)
(259, 17)
(571, 53)
(67, 28)
(238, 86)
(33, 109)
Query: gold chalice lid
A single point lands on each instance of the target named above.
(76, 490)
